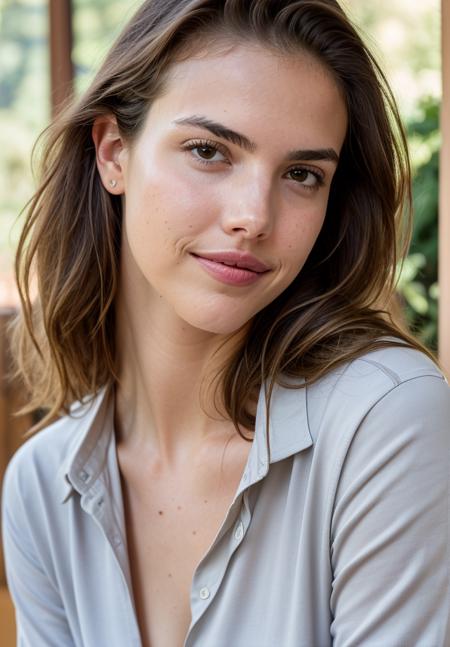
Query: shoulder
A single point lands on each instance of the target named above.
(36, 469)
(384, 419)
(30, 491)
(388, 494)
(395, 363)
(384, 397)
(395, 373)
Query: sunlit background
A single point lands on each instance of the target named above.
(404, 36)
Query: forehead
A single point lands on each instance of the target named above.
(255, 88)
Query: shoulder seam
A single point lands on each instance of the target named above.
(395, 377)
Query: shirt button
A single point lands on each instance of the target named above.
(83, 476)
(117, 540)
(204, 593)
(239, 532)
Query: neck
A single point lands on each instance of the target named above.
(165, 397)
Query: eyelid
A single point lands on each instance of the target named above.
(315, 170)
(318, 174)
(190, 144)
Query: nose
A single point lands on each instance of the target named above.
(249, 209)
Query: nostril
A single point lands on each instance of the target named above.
(256, 224)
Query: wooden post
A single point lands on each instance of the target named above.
(61, 67)
(444, 198)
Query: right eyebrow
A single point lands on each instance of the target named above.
(219, 130)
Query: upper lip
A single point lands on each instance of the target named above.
(243, 260)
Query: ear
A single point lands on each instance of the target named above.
(110, 153)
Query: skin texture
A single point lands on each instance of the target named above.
(176, 204)
(180, 461)
(179, 200)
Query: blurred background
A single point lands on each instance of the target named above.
(405, 38)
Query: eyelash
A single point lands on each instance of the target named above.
(206, 143)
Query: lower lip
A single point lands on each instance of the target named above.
(227, 274)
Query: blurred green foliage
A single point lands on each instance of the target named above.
(25, 91)
(418, 279)
(96, 24)
(24, 108)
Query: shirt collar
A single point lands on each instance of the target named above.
(92, 424)
(288, 427)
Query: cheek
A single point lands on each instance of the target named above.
(300, 234)
(153, 202)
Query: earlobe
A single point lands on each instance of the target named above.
(109, 145)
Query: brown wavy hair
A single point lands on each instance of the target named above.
(338, 307)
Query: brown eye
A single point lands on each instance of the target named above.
(206, 152)
(301, 174)
(306, 177)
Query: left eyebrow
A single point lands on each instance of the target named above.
(219, 130)
(314, 155)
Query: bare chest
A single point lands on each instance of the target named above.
(170, 528)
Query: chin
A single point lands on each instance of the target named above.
(218, 327)
(219, 323)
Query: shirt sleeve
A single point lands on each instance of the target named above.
(40, 616)
(390, 528)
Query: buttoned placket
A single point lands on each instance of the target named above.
(212, 569)
(88, 475)
(96, 502)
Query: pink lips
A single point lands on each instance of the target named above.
(232, 267)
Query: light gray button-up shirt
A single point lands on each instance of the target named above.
(338, 533)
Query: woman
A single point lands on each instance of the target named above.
(251, 452)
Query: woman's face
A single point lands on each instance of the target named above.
(226, 187)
